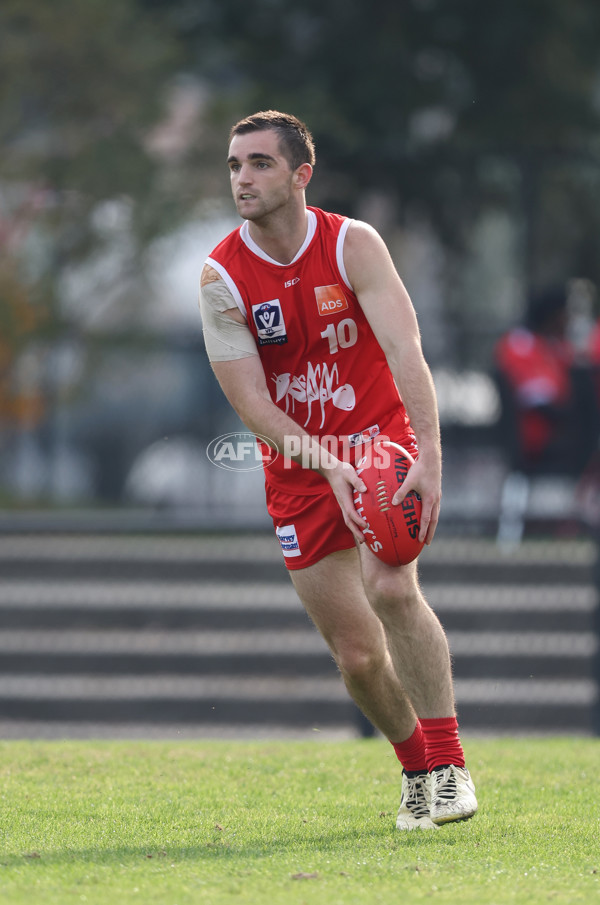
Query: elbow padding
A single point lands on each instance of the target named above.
(225, 339)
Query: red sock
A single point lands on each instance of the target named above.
(411, 753)
(442, 743)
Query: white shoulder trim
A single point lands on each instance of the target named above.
(247, 239)
(229, 283)
(340, 252)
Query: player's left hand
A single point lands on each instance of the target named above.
(424, 477)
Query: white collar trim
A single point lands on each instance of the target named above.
(257, 250)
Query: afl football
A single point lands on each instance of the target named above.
(392, 533)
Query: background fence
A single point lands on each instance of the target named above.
(200, 635)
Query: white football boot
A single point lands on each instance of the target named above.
(452, 794)
(414, 803)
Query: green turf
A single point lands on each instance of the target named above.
(113, 823)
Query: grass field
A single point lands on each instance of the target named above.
(288, 823)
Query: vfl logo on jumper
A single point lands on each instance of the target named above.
(269, 322)
(330, 299)
(288, 540)
(318, 386)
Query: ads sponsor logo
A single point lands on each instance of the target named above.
(269, 322)
(242, 451)
(330, 299)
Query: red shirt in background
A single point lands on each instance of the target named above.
(537, 369)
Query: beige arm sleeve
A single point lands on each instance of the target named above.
(225, 339)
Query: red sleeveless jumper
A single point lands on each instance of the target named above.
(323, 365)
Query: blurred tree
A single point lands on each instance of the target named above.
(81, 84)
(18, 320)
(81, 87)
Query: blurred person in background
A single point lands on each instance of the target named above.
(588, 490)
(549, 413)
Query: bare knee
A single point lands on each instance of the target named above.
(393, 594)
(359, 663)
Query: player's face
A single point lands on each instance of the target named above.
(261, 177)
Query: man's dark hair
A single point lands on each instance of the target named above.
(545, 305)
(295, 141)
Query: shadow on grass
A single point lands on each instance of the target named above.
(226, 849)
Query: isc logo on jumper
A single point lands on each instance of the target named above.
(270, 325)
(330, 299)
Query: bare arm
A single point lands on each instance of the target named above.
(390, 312)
